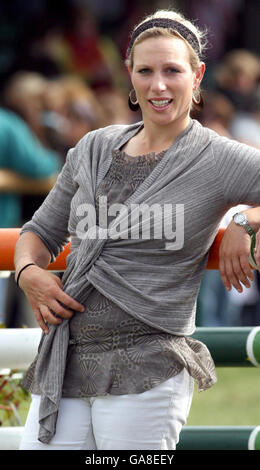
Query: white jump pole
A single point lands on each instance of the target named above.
(18, 347)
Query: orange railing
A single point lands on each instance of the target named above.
(9, 237)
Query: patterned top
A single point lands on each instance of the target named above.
(110, 351)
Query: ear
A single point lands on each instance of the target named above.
(129, 69)
(198, 76)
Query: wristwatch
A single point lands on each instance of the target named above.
(240, 219)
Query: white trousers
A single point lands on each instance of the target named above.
(149, 420)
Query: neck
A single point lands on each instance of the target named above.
(155, 136)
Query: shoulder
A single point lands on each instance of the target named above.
(232, 148)
(105, 138)
(97, 143)
(222, 145)
(112, 133)
(204, 132)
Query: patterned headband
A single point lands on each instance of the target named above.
(185, 32)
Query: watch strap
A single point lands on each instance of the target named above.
(245, 224)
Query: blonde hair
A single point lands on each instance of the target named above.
(169, 32)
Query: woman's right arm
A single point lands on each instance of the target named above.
(41, 240)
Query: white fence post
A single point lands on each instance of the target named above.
(18, 347)
(10, 437)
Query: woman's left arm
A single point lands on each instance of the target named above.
(238, 170)
(234, 252)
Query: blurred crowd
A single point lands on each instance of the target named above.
(62, 75)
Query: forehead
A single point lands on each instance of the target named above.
(160, 49)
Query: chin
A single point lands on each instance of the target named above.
(163, 120)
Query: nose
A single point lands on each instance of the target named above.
(158, 83)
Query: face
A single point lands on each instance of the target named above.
(163, 80)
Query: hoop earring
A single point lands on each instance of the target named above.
(198, 103)
(133, 104)
(198, 100)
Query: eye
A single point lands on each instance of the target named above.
(144, 71)
(172, 70)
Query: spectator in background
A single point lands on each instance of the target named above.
(24, 94)
(71, 111)
(238, 78)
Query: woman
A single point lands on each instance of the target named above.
(120, 375)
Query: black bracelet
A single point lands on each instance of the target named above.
(21, 270)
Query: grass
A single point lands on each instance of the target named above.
(23, 410)
(233, 400)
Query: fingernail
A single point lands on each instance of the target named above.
(82, 309)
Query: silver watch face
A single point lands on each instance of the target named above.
(240, 219)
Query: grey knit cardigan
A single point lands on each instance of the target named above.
(202, 172)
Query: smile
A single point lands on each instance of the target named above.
(160, 104)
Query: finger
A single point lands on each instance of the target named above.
(58, 280)
(48, 316)
(40, 320)
(239, 272)
(60, 310)
(231, 276)
(245, 266)
(223, 275)
(69, 302)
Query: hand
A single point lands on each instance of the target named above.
(257, 250)
(234, 252)
(44, 292)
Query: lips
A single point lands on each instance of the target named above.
(160, 103)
